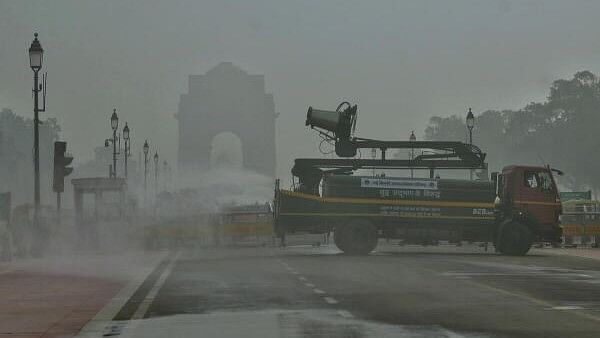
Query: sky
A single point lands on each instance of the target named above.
(400, 61)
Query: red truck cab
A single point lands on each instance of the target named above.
(528, 196)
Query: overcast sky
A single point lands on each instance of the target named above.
(400, 61)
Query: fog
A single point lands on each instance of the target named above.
(400, 61)
(194, 234)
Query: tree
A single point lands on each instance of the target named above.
(559, 131)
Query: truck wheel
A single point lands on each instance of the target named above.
(515, 239)
(358, 237)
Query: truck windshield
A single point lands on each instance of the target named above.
(538, 180)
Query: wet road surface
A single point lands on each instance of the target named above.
(395, 292)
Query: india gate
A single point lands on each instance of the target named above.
(227, 99)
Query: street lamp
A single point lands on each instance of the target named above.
(127, 146)
(412, 138)
(146, 149)
(470, 125)
(36, 57)
(165, 174)
(156, 173)
(114, 124)
(36, 54)
(373, 155)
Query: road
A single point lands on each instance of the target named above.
(395, 292)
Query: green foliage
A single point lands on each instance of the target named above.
(562, 131)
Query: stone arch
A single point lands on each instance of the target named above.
(226, 151)
(227, 99)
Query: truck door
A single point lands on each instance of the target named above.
(538, 195)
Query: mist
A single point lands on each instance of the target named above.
(191, 221)
(402, 61)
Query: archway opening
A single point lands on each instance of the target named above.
(226, 152)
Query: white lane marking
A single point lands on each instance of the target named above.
(103, 319)
(310, 285)
(145, 304)
(345, 314)
(319, 291)
(302, 278)
(567, 307)
(294, 272)
(330, 300)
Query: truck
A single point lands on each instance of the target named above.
(511, 209)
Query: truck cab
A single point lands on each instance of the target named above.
(528, 195)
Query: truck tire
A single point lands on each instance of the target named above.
(358, 237)
(338, 235)
(515, 239)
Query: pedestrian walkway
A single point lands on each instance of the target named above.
(57, 296)
(50, 305)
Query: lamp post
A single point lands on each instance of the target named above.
(127, 146)
(156, 174)
(146, 148)
(165, 174)
(470, 125)
(373, 155)
(36, 57)
(412, 138)
(114, 124)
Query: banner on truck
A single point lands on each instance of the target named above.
(399, 183)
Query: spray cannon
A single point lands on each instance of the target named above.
(337, 126)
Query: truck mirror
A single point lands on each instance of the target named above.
(496, 177)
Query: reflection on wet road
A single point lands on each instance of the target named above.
(397, 292)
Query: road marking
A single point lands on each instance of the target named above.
(319, 291)
(310, 285)
(294, 272)
(330, 300)
(302, 278)
(529, 298)
(567, 307)
(345, 314)
(103, 320)
(145, 304)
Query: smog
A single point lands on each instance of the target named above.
(299, 169)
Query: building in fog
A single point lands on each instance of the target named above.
(224, 101)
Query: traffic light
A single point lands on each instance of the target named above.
(61, 169)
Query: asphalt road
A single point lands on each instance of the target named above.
(395, 292)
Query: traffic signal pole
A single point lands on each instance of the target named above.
(61, 169)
